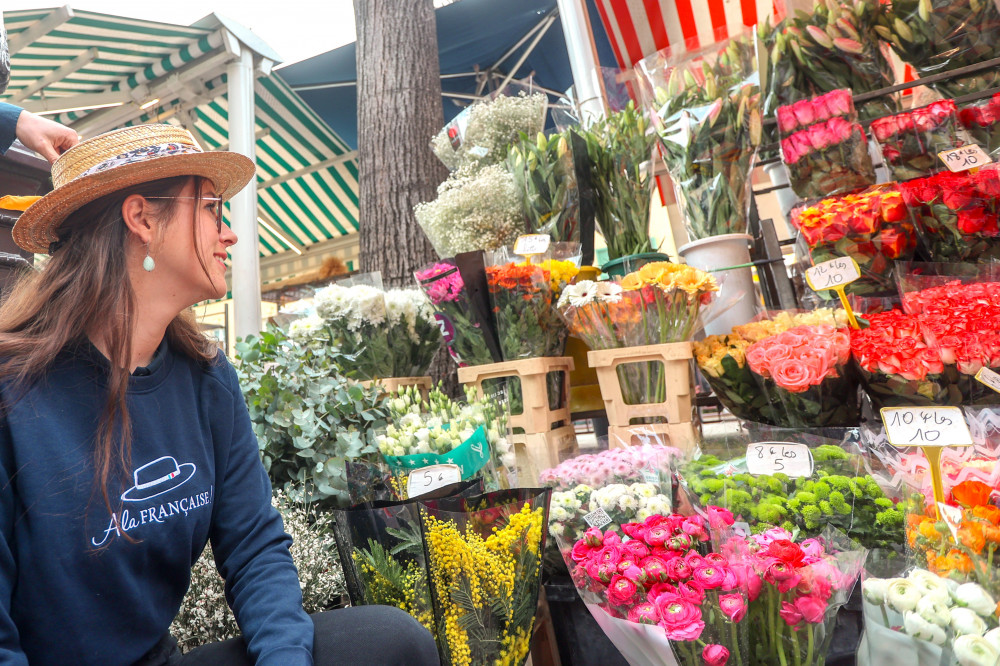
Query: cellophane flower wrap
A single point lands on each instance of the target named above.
(824, 147)
(982, 121)
(656, 576)
(355, 317)
(705, 107)
(413, 331)
(484, 561)
(544, 172)
(911, 141)
(439, 430)
(930, 354)
(620, 149)
(599, 313)
(723, 362)
(463, 333)
(937, 36)
(835, 46)
(873, 227)
(795, 587)
(956, 214)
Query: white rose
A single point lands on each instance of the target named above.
(902, 594)
(918, 627)
(874, 590)
(965, 621)
(993, 636)
(975, 597)
(934, 611)
(975, 651)
(930, 585)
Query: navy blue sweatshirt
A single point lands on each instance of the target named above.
(72, 590)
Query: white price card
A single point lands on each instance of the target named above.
(794, 460)
(952, 516)
(832, 274)
(531, 244)
(926, 426)
(598, 518)
(964, 158)
(426, 479)
(989, 378)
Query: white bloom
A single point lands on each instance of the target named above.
(902, 594)
(645, 490)
(558, 514)
(965, 621)
(975, 597)
(975, 651)
(934, 611)
(609, 292)
(874, 590)
(628, 503)
(918, 627)
(508, 460)
(993, 636)
(423, 447)
(643, 513)
(305, 327)
(930, 585)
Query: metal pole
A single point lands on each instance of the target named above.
(582, 59)
(243, 206)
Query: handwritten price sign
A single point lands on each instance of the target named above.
(964, 158)
(926, 426)
(427, 479)
(989, 378)
(795, 460)
(832, 274)
(532, 244)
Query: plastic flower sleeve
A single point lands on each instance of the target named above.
(981, 120)
(910, 141)
(484, 558)
(413, 330)
(544, 171)
(917, 280)
(872, 227)
(705, 107)
(354, 310)
(463, 332)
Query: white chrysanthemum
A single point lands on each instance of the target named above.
(407, 307)
(305, 327)
(628, 503)
(644, 490)
(332, 302)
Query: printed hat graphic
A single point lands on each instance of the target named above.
(156, 478)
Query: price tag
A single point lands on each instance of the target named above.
(964, 158)
(598, 518)
(426, 479)
(650, 475)
(926, 426)
(742, 529)
(532, 244)
(952, 516)
(989, 378)
(835, 274)
(795, 460)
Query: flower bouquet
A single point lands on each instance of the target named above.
(355, 317)
(599, 313)
(653, 586)
(461, 324)
(544, 172)
(872, 227)
(628, 465)
(956, 214)
(911, 141)
(484, 557)
(722, 360)
(982, 121)
(705, 107)
(412, 330)
(936, 36)
(620, 150)
(824, 147)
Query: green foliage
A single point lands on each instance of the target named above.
(308, 417)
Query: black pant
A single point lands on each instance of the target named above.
(376, 635)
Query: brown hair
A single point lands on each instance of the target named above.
(84, 287)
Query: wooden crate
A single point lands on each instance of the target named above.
(533, 372)
(675, 357)
(680, 435)
(393, 384)
(541, 451)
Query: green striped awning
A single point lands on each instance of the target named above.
(96, 72)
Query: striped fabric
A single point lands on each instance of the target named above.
(639, 28)
(136, 55)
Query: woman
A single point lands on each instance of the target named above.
(125, 443)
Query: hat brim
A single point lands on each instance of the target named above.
(37, 226)
(134, 494)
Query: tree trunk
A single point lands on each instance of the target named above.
(399, 111)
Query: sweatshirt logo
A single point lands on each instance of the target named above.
(158, 477)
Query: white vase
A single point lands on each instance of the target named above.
(785, 197)
(737, 301)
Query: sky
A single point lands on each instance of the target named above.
(295, 29)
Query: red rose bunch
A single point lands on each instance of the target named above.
(956, 214)
(806, 112)
(873, 227)
(656, 576)
(911, 141)
(982, 120)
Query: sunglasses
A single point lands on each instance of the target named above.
(216, 208)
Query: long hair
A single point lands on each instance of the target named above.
(84, 289)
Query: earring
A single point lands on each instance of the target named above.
(148, 264)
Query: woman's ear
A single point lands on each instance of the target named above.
(138, 216)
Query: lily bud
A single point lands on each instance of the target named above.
(924, 8)
(711, 89)
(820, 36)
(541, 142)
(883, 32)
(848, 29)
(798, 53)
(849, 46)
(562, 147)
(756, 127)
(902, 30)
(713, 112)
(689, 80)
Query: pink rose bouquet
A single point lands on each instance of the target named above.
(806, 369)
(912, 140)
(656, 577)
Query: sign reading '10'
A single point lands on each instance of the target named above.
(926, 426)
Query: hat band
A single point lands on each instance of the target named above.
(141, 155)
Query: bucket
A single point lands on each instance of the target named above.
(624, 265)
(785, 197)
(737, 287)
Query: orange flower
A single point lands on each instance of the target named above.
(958, 561)
(929, 531)
(971, 536)
(972, 493)
(991, 533)
(987, 512)
(631, 282)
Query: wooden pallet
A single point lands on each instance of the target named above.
(533, 372)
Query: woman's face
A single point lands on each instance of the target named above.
(178, 252)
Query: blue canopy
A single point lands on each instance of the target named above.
(472, 34)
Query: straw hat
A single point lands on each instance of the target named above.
(119, 159)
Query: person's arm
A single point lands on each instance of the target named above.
(10, 642)
(251, 550)
(8, 124)
(46, 137)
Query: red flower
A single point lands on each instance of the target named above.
(971, 221)
(893, 243)
(787, 551)
(715, 655)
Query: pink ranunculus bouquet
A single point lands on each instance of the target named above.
(806, 369)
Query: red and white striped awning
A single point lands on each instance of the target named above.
(638, 28)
